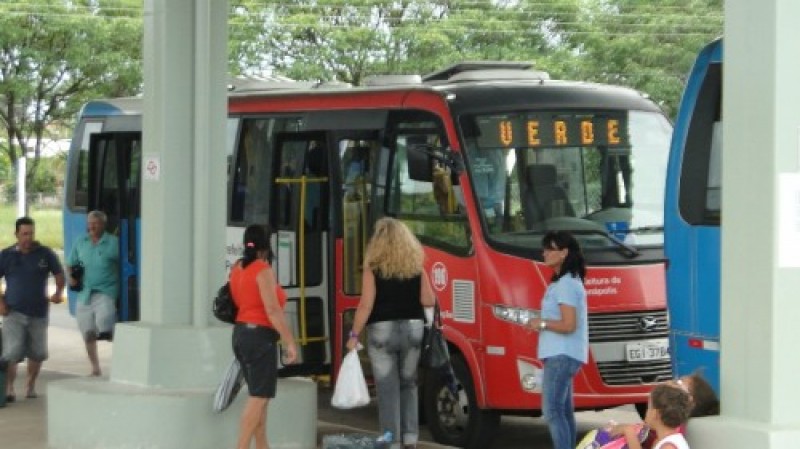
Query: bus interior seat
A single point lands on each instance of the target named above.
(550, 199)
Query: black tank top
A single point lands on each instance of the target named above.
(396, 299)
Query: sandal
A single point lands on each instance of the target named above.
(31, 395)
(10, 398)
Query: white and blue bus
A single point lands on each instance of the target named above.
(692, 220)
(107, 179)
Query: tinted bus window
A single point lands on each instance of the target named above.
(430, 203)
(252, 174)
(80, 198)
(700, 170)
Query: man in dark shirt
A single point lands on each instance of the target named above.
(26, 266)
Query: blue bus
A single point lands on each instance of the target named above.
(692, 220)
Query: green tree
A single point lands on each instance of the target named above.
(55, 55)
(643, 44)
(638, 43)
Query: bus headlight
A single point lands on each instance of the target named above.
(530, 376)
(516, 315)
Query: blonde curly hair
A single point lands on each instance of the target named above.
(393, 251)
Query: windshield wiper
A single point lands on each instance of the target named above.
(643, 229)
(625, 249)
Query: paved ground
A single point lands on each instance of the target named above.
(23, 424)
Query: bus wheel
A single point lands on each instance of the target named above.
(457, 421)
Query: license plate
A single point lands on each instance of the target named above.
(647, 350)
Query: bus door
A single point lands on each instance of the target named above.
(355, 155)
(300, 218)
(114, 188)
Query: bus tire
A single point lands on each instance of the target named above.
(457, 423)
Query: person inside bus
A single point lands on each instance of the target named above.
(260, 322)
(489, 179)
(93, 271)
(563, 334)
(395, 289)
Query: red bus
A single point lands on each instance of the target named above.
(479, 160)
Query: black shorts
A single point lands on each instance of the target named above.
(256, 349)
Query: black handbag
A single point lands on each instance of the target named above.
(434, 347)
(223, 306)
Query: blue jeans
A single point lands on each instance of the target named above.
(557, 406)
(394, 348)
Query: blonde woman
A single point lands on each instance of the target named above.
(394, 291)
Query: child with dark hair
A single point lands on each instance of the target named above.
(704, 402)
(667, 411)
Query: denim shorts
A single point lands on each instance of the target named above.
(256, 349)
(24, 336)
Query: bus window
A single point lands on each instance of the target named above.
(253, 170)
(82, 178)
(714, 184)
(538, 171)
(356, 158)
(428, 206)
(700, 170)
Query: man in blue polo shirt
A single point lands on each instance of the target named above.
(96, 311)
(26, 266)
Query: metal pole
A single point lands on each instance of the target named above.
(22, 204)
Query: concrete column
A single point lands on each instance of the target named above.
(165, 368)
(183, 199)
(760, 256)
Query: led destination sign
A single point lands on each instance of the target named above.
(534, 130)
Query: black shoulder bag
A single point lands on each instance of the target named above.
(223, 306)
(434, 347)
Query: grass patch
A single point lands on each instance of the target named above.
(49, 226)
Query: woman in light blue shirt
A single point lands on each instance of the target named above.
(564, 334)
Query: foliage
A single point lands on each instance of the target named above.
(48, 225)
(643, 44)
(54, 56)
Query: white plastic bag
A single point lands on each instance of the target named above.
(351, 388)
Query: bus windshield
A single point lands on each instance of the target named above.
(599, 174)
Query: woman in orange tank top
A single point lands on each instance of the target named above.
(260, 322)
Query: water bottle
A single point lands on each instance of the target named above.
(384, 441)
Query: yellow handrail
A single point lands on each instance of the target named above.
(303, 180)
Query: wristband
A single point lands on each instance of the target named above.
(542, 325)
(353, 334)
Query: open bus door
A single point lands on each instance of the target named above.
(114, 188)
(300, 219)
(320, 215)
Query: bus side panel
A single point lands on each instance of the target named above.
(694, 292)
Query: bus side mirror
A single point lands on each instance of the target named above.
(420, 163)
(421, 157)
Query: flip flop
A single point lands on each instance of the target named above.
(10, 398)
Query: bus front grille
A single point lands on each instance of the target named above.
(627, 326)
(625, 373)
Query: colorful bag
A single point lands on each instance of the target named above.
(601, 439)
